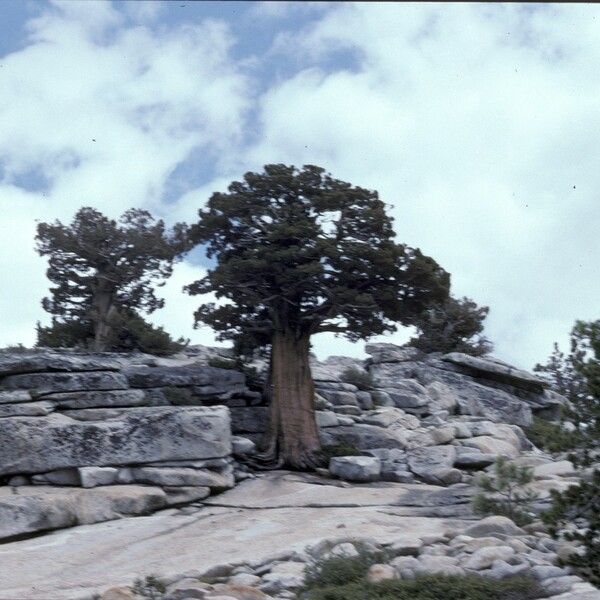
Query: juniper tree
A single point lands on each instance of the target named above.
(104, 270)
(577, 376)
(455, 325)
(300, 253)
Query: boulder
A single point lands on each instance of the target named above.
(26, 409)
(38, 361)
(339, 398)
(407, 399)
(433, 464)
(42, 444)
(182, 477)
(186, 375)
(15, 396)
(384, 352)
(442, 397)
(495, 370)
(103, 399)
(40, 509)
(355, 468)
(485, 557)
(387, 374)
(40, 384)
(479, 400)
(486, 444)
(94, 476)
(494, 526)
(363, 436)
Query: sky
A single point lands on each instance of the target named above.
(477, 123)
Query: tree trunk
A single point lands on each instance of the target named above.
(293, 436)
(104, 310)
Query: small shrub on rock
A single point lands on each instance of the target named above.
(331, 451)
(506, 492)
(361, 379)
(431, 587)
(151, 587)
(334, 571)
(552, 437)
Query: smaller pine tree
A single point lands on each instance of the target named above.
(575, 516)
(506, 492)
(455, 325)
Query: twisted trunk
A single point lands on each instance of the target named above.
(104, 310)
(292, 436)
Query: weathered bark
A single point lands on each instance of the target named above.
(104, 311)
(292, 437)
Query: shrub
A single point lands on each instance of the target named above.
(150, 587)
(361, 379)
(130, 332)
(341, 570)
(328, 452)
(575, 516)
(506, 493)
(551, 437)
(432, 587)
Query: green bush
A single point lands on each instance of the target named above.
(361, 379)
(131, 332)
(341, 570)
(575, 516)
(506, 492)
(431, 587)
(330, 451)
(151, 587)
(551, 437)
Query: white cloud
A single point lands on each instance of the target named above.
(101, 114)
(475, 122)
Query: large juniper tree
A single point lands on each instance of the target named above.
(105, 270)
(299, 253)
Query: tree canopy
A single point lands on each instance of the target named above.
(102, 268)
(455, 325)
(298, 253)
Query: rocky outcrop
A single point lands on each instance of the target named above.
(87, 438)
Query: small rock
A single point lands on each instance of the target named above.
(355, 468)
(118, 593)
(242, 445)
(379, 572)
(494, 525)
(94, 476)
(485, 557)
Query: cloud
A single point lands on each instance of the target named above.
(476, 123)
(95, 112)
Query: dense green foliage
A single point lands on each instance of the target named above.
(299, 250)
(576, 375)
(506, 492)
(455, 325)
(128, 332)
(334, 571)
(433, 587)
(103, 271)
(361, 379)
(575, 515)
(552, 437)
(330, 451)
(344, 578)
(150, 588)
